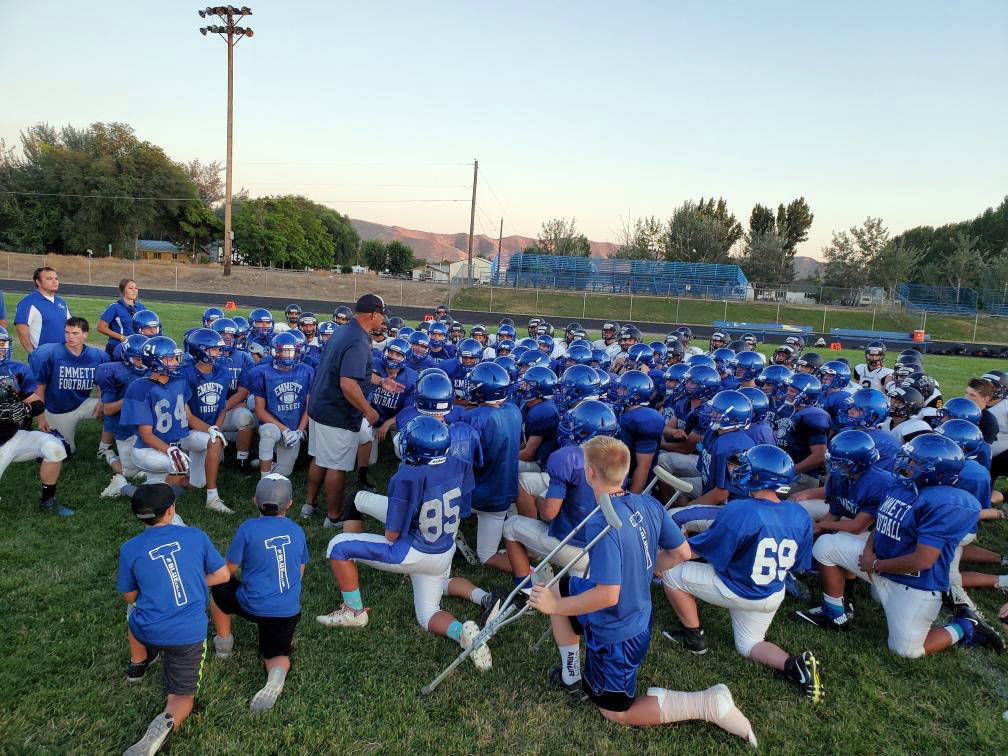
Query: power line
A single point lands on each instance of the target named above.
(316, 162)
(196, 199)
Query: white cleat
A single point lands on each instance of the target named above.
(156, 736)
(264, 699)
(216, 505)
(481, 656)
(112, 490)
(347, 617)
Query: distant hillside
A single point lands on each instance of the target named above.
(806, 267)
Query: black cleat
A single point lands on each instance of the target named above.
(363, 482)
(491, 605)
(821, 618)
(804, 672)
(983, 635)
(574, 689)
(135, 671)
(349, 511)
(691, 639)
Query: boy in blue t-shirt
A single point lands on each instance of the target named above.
(167, 571)
(271, 552)
(612, 608)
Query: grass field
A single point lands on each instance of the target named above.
(63, 686)
(700, 312)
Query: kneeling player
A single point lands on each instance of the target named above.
(750, 549)
(419, 539)
(612, 608)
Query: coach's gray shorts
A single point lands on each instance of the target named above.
(182, 667)
(336, 448)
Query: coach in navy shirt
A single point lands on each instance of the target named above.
(340, 417)
(41, 316)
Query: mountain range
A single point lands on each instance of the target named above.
(436, 248)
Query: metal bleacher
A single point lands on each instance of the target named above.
(644, 277)
(944, 299)
(763, 330)
(995, 301)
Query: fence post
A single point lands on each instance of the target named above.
(778, 312)
(266, 276)
(584, 306)
(355, 287)
(726, 310)
(176, 278)
(824, 320)
(976, 322)
(924, 321)
(631, 306)
(491, 299)
(873, 319)
(537, 302)
(677, 299)
(8, 265)
(89, 270)
(401, 291)
(134, 270)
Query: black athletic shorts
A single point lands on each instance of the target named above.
(276, 634)
(182, 667)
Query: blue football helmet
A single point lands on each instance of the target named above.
(759, 401)
(488, 382)
(577, 383)
(532, 358)
(537, 382)
(802, 390)
(527, 343)
(585, 421)
(479, 333)
(341, 315)
(835, 375)
(723, 357)
(728, 410)
(635, 387)
(763, 468)
(506, 333)
(404, 333)
(930, 459)
(205, 345)
(674, 375)
(504, 348)
(600, 360)
(395, 354)
(435, 394)
(674, 352)
(228, 331)
(132, 352)
(162, 355)
(747, 365)
(965, 434)
(517, 352)
(210, 314)
(469, 353)
(578, 354)
(850, 452)
(773, 380)
(545, 344)
(261, 321)
(605, 383)
(302, 341)
(639, 357)
(425, 441)
(6, 350)
(243, 330)
(419, 343)
(147, 322)
(701, 359)
(871, 406)
(507, 362)
(659, 349)
(438, 333)
(325, 330)
(285, 349)
(960, 408)
(700, 382)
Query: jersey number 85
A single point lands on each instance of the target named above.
(440, 516)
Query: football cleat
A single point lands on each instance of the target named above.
(574, 689)
(345, 617)
(112, 490)
(52, 506)
(491, 606)
(480, 656)
(691, 639)
(821, 618)
(217, 505)
(983, 635)
(135, 671)
(158, 733)
(804, 672)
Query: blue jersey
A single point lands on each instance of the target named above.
(459, 375)
(887, 446)
(270, 551)
(161, 406)
(209, 390)
(626, 557)
(417, 364)
(446, 352)
(68, 378)
(715, 451)
(385, 403)
(754, 543)
(266, 342)
(730, 383)
(798, 430)
(119, 317)
(465, 445)
(939, 517)
(311, 355)
(541, 420)
(285, 391)
(239, 363)
(500, 436)
(168, 565)
(974, 478)
(112, 379)
(423, 506)
(20, 374)
(830, 404)
(761, 433)
(566, 470)
(847, 496)
(641, 430)
(984, 456)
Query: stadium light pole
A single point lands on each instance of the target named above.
(231, 33)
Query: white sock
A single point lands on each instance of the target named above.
(211, 493)
(103, 447)
(242, 455)
(570, 663)
(477, 596)
(1002, 581)
(276, 676)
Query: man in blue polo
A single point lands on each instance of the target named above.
(42, 315)
(339, 416)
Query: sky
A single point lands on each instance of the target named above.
(596, 111)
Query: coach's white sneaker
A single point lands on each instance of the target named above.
(481, 656)
(114, 487)
(216, 505)
(346, 617)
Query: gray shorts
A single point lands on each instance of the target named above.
(182, 667)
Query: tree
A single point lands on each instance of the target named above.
(344, 236)
(765, 259)
(199, 224)
(560, 237)
(718, 212)
(894, 264)
(207, 179)
(374, 254)
(283, 232)
(399, 257)
(642, 241)
(965, 264)
(793, 223)
(695, 235)
(849, 256)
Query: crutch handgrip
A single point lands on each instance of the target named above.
(671, 480)
(605, 504)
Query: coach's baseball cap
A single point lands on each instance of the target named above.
(370, 303)
(273, 493)
(151, 500)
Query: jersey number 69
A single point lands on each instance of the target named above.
(773, 560)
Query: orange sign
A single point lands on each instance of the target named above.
(836, 346)
(428, 318)
(231, 305)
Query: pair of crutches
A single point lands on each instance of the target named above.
(510, 612)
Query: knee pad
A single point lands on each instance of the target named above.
(745, 647)
(243, 418)
(424, 615)
(53, 450)
(509, 529)
(821, 548)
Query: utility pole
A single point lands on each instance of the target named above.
(231, 34)
(472, 218)
(500, 238)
